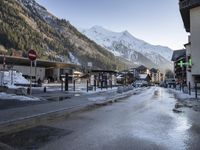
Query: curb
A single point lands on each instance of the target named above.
(18, 124)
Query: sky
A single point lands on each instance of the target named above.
(157, 22)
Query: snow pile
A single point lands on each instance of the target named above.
(73, 59)
(182, 96)
(5, 96)
(143, 76)
(99, 98)
(10, 78)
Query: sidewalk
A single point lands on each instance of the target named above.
(12, 118)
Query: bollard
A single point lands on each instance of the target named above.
(106, 85)
(66, 82)
(95, 85)
(74, 85)
(45, 89)
(196, 90)
(87, 85)
(181, 87)
(189, 86)
(61, 85)
(28, 91)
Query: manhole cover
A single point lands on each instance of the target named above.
(33, 138)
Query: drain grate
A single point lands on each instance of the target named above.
(33, 138)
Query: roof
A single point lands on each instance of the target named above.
(185, 6)
(141, 67)
(189, 43)
(178, 54)
(10, 60)
(153, 70)
(143, 76)
(103, 71)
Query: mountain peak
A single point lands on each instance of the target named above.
(125, 32)
(99, 29)
(125, 45)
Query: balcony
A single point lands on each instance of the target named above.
(185, 6)
(188, 3)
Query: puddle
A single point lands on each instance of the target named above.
(58, 98)
(77, 95)
(12, 103)
(33, 138)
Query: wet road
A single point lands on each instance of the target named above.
(144, 121)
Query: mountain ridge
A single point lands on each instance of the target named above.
(123, 44)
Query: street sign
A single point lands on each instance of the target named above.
(190, 62)
(32, 55)
(181, 63)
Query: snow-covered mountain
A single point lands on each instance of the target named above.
(125, 45)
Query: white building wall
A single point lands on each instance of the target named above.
(56, 74)
(155, 77)
(25, 70)
(189, 73)
(195, 39)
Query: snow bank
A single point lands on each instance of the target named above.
(9, 78)
(99, 98)
(5, 96)
(182, 96)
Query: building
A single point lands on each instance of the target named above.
(156, 76)
(135, 73)
(190, 12)
(145, 77)
(103, 78)
(179, 59)
(143, 70)
(44, 70)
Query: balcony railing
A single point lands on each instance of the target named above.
(188, 3)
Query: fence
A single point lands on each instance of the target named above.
(187, 89)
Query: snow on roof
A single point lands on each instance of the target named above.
(143, 76)
(177, 54)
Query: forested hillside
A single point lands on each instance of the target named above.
(22, 27)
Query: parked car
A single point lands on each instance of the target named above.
(140, 83)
